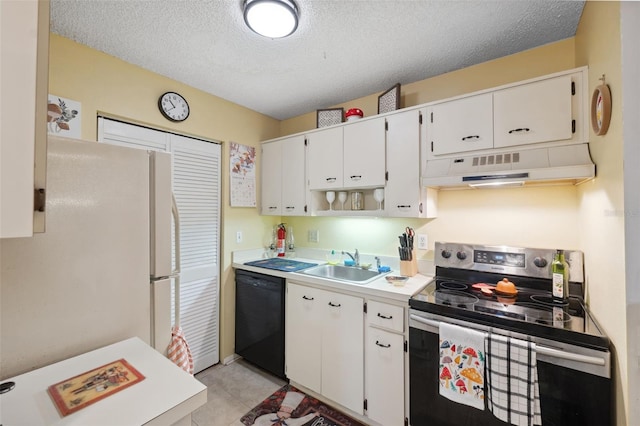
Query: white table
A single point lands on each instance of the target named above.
(166, 396)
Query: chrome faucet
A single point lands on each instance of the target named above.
(377, 262)
(355, 257)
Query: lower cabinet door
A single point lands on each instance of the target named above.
(343, 350)
(385, 377)
(303, 333)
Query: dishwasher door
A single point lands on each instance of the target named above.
(259, 334)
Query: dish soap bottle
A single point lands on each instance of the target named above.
(560, 277)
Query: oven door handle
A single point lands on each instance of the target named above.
(542, 350)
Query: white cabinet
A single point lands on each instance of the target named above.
(385, 360)
(271, 178)
(283, 177)
(324, 343)
(534, 112)
(364, 154)
(545, 110)
(24, 80)
(325, 159)
(350, 156)
(303, 335)
(404, 194)
(462, 125)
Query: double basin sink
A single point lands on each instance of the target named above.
(350, 274)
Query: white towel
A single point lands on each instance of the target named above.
(512, 380)
(461, 372)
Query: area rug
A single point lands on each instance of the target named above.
(290, 407)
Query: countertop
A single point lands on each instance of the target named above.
(164, 397)
(379, 288)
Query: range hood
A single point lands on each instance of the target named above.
(511, 167)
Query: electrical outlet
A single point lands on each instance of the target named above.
(239, 237)
(313, 236)
(422, 241)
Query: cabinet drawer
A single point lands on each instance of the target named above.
(386, 316)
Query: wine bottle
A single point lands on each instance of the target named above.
(560, 277)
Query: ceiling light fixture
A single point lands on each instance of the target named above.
(271, 18)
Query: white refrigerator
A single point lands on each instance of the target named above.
(102, 271)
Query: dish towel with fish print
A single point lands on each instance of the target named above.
(462, 365)
(512, 380)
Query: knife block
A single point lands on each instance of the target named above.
(409, 268)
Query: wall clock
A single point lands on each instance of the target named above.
(173, 106)
(601, 108)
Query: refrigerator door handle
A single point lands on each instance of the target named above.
(176, 269)
(176, 240)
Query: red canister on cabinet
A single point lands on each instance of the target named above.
(282, 235)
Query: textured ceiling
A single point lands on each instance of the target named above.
(342, 49)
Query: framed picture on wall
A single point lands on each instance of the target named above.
(389, 100)
(64, 117)
(329, 117)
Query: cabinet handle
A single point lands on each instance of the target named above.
(523, 129)
(420, 208)
(383, 317)
(404, 206)
(272, 208)
(290, 207)
(382, 345)
(307, 298)
(331, 179)
(335, 306)
(356, 177)
(471, 137)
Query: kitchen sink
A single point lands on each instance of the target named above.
(344, 273)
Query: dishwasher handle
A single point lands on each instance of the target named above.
(542, 350)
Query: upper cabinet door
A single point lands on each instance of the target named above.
(23, 141)
(293, 197)
(402, 195)
(364, 154)
(271, 178)
(461, 125)
(324, 148)
(533, 113)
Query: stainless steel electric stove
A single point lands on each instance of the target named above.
(573, 355)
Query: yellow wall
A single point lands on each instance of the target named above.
(106, 85)
(601, 217)
(538, 217)
(521, 66)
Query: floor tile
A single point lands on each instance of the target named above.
(233, 390)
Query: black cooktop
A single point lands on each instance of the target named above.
(532, 311)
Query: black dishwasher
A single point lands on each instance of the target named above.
(260, 320)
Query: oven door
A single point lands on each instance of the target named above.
(574, 382)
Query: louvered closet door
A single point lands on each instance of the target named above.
(196, 185)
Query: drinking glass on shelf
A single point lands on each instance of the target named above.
(342, 197)
(331, 197)
(378, 195)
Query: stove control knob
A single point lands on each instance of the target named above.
(540, 262)
(446, 254)
(461, 255)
